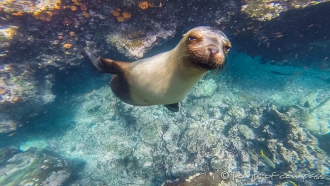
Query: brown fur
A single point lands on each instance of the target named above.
(168, 77)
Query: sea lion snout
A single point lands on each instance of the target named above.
(207, 47)
(213, 50)
(207, 57)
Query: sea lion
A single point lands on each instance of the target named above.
(166, 78)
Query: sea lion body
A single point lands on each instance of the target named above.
(166, 78)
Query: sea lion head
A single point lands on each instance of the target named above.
(206, 47)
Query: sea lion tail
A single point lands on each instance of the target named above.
(94, 58)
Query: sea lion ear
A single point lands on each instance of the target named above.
(183, 35)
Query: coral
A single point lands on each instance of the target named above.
(246, 132)
(268, 10)
(57, 178)
(120, 19)
(298, 140)
(67, 46)
(7, 124)
(126, 15)
(86, 14)
(72, 34)
(74, 8)
(83, 7)
(44, 15)
(66, 21)
(197, 139)
(34, 167)
(151, 132)
(115, 13)
(143, 5)
(2, 91)
(141, 43)
(205, 88)
(17, 13)
(210, 179)
(7, 34)
(235, 114)
(43, 10)
(76, 2)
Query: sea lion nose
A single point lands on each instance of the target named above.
(213, 50)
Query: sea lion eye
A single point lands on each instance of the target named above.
(227, 48)
(192, 38)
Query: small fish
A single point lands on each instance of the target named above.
(280, 73)
(11, 134)
(267, 160)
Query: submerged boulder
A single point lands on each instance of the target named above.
(32, 167)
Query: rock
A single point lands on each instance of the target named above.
(318, 122)
(209, 179)
(205, 88)
(7, 124)
(6, 37)
(34, 167)
(309, 100)
(171, 137)
(198, 140)
(136, 47)
(246, 132)
(234, 114)
(151, 132)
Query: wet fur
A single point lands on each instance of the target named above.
(168, 77)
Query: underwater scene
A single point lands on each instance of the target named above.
(164, 93)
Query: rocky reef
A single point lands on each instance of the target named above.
(41, 40)
(32, 167)
(216, 139)
(274, 100)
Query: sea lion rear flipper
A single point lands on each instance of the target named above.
(175, 107)
(102, 64)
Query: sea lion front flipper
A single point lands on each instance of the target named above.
(102, 64)
(175, 107)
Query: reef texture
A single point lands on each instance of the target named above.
(40, 41)
(221, 128)
(32, 168)
(146, 145)
(265, 10)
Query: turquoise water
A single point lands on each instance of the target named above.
(253, 123)
(226, 120)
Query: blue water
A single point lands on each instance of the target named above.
(81, 134)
